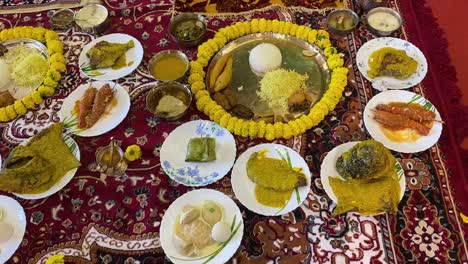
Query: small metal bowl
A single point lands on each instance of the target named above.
(177, 20)
(384, 33)
(346, 13)
(90, 26)
(165, 53)
(62, 19)
(175, 89)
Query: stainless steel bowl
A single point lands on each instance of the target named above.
(165, 53)
(345, 12)
(175, 89)
(175, 21)
(386, 10)
(87, 25)
(62, 19)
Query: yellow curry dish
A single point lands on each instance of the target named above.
(274, 179)
(38, 165)
(391, 62)
(369, 182)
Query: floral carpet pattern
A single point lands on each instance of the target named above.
(98, 218)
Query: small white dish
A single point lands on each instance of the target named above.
(174, 149)
(244, 188)
(232, 216)
(63, 181)
(13, 214)
(384, 83)
(134, 55)
(112, 117)
(328, 169)
(374, 128)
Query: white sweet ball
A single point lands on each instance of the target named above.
(265, 57)
(221, 232)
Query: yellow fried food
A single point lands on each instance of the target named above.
(105, 54)
(272, 198)
(225, 77)
(217, 69)
(391, 62)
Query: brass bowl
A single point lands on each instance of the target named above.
(165, 53)
(92, 29)
(175, 89)
(62, 19)
(346, 12)
(383, 33)
(175, 21)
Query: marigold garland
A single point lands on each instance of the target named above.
(57, 66)
(250, 128)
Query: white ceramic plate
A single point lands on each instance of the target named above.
(423, 143)
(174, 149)
(134, 54)
(328, 169)
(112, 117)
(231, 214)
(244, 187)
(13, 214)
(63, 181)
(383, 83)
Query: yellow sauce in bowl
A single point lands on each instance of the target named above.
(168, 68)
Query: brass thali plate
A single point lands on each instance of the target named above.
(245, 83)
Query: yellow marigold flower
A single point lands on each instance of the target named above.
(307, 121)
(294, 128)
(57, 57)
(195, 77)
(223, 32)
(238, 127)
(20, 32)
(329, 51)
(28, 32)
(323, 33)
(261, 126)
(320, 107)
(293, 29)
(335, 61)
(51, 35)
(133, 152)
(39, 34)
(195, 66)
(232, 34)
(312, 36)
(203, 61)
(246, 25)
(220, 41)
(46, 90)
(218, 114)
(275, 26)
(36, 96)
(202, 102)
(28, 102)
(210, 105)
(254, 25)
(240, 28)
(341, 71)
(245, 129)
(54, 75)
(55, 259)
(287, 132)
(270, 132)
(10, 34)
(305, 33)
(10, 111)
(3, 115)
(197, 86)
(3, 35)
(317, 115)
(299, 31)
(232, 124)
(58, 66)
(269, 26)
(302, 126)
(287, 27)
(16, 33)
(323, 43)
(54, 46)
(225, 120)
(49, 82)
(330, 102)
(213, 45)
(253, 129)
(19, 107)
(201, 93)
(278, 129)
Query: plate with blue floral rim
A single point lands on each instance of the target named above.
(328, 169)
(221, 252)
(375, 130)
(383, 83)
(244, 188)
(11, 213)
(186, 173)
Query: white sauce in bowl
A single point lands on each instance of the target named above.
(383, 21)
(90, 16)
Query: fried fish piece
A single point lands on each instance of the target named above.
(105, 54)
(273, 173)
(85, 106)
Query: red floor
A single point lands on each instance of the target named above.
(450, 14)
